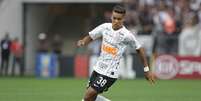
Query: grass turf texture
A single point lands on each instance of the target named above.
(67, 89)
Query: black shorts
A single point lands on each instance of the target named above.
(100, 82)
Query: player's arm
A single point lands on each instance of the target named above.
(148, 75)
(85, 41)
(141, 53)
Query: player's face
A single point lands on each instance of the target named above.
(117, 20)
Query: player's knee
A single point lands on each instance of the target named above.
(90, 95)
(87, 98)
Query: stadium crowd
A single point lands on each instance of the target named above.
(174, 24)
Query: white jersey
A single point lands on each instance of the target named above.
(113, 46)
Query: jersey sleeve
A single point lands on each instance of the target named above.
(97, 32)
(133, 42)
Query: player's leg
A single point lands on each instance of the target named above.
(21, 66)
(101, 98)
(90, 91)
(106, 83)
(90, 94)
(6, 66)
(13, 66)
(98, 83)
(2, 65)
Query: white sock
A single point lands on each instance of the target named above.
(102, 98)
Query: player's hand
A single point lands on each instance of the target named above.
(150, 77)
(80, 43)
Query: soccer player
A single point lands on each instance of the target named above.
(115, 38)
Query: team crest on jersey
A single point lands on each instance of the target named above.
(119, 37)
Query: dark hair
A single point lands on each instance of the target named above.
(119, 9)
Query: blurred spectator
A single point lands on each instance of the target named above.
(57, 44)
(107, 16)
(199, 13)
(190, 37)
(166, 41)
(17, 51)
(132, 19)
(43, 44)
(145, 19)
(147, 2)
(5, 54)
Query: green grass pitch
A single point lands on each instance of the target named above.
(68, 89)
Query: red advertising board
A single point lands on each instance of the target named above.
(81, 66)
(170, 67)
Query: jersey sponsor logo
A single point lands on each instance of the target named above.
(109, 49)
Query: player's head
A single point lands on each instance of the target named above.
(118, 14)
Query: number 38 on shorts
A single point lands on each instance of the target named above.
(100, 82)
